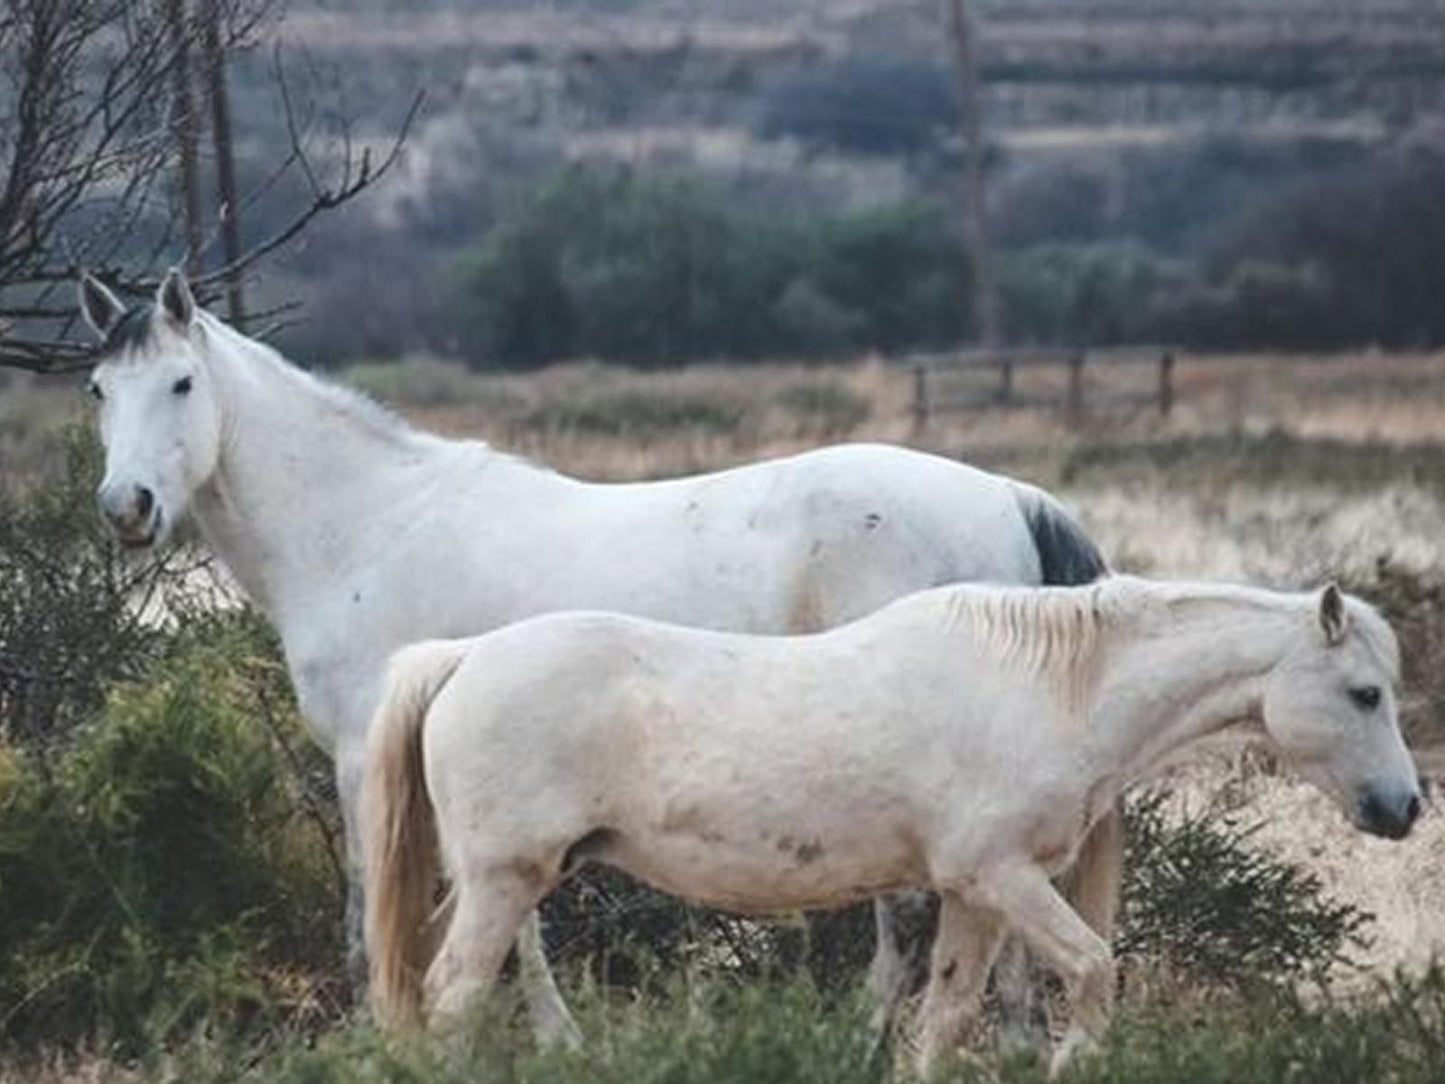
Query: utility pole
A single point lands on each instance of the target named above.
(983, 292)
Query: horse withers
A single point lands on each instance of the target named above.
(963, 740)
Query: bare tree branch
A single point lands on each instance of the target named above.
(97, 134)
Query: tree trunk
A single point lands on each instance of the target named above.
(230, 209)
(183, 130)
(982, 292)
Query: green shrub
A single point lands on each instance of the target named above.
(1395, 1032)
(1197, 897)
(159, 870)
(68, 620)
(656, 269)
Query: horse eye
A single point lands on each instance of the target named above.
(1366, 697)
(182, 386)
(94, 389)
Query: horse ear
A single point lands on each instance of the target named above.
(174, 299)
(1332, 614)
(101, 308)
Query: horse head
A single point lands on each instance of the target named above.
(160, 417)
(1330, 706)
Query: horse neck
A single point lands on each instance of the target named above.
(304, 479)
(1199, 668)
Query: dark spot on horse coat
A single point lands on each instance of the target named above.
(872, 520)
(804, 852)
(809, 852)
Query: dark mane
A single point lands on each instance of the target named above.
(131, 331)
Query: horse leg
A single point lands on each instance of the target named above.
(1092, 885)
(488, 911)
(968, 939)
(1095, 880)
(349, 770)
(901, 923)
(551, 1021)
(1056, 932)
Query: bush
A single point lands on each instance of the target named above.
(1396, 1033)
(1197, 898)
(1087, 294)
(658, 269)
(1371, 240)
(69, 621)
(160, 870)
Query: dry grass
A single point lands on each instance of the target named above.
(1359, 398)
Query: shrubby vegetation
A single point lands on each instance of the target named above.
(657, 269)
(661, 268)
(162, 860)
(1200, 901)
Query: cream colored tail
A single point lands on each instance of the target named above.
(399, 844)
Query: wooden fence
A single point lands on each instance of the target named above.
(931, 372)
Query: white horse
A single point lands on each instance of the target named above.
(962, 740)
(357, 534)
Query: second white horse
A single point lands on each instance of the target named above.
(963, 740)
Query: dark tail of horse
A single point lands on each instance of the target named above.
(1067, 556)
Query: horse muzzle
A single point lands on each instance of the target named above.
(1387, 813)
(133, 514)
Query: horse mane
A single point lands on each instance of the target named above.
(348, 402)
(1051, 632)
(1060, 633)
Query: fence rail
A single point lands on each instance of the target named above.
(929, 369)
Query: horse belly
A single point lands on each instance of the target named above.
(756, 868)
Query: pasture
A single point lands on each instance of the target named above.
(1280, 471)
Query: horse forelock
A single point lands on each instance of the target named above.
(131, 334)
(1370, 626)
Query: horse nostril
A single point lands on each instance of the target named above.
(1412, 809)
(144, 501)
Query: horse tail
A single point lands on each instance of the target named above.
(1067, 556)
(399, 842)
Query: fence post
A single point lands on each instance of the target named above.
(1006, 380)
(1074, 405)
(920, 398)
(1166, 383)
